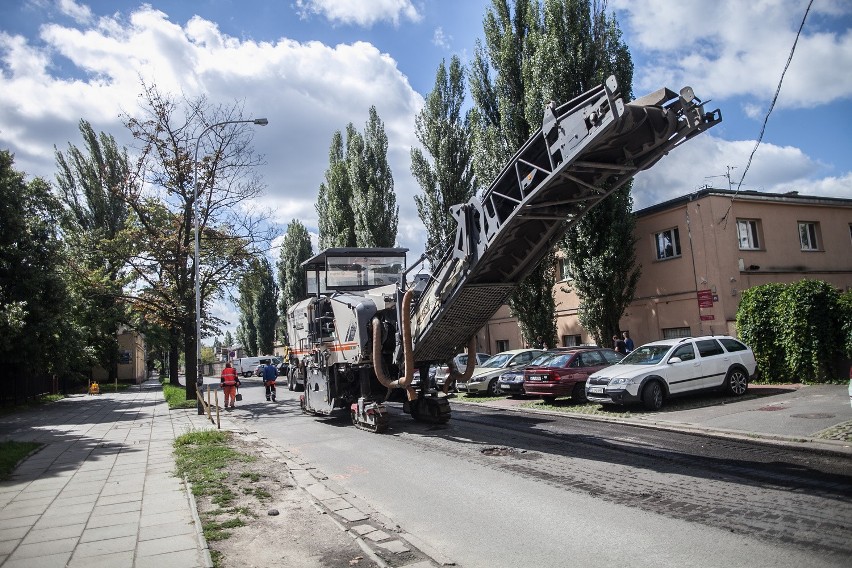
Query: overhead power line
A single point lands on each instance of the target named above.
(771, 106)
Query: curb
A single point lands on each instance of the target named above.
(816, 445)
(199, 529)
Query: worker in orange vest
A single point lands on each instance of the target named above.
(230, 381)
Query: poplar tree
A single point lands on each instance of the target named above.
(444, 172)
(373, 197)
(295, 250)
(600, 247)
(334, 201)
(538, 53)
(265, 308)
(501, 127)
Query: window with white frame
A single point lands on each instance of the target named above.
(747, 233)
(676, 332)
(808, 233)
(667, 243)
(502, 345)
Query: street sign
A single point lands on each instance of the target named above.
(705, 298)
(707, 317)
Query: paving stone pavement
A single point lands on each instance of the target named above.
(101, 491)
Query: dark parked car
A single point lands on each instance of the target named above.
(415, 382)
(565, 374)
(512, 381)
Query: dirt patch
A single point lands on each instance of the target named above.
(241, 533)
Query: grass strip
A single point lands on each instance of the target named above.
(176, 396)
(202, 455)
(11, 453)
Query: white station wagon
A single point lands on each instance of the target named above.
(658, 370)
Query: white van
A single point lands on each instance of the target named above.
(245, 366)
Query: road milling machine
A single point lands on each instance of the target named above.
(368, 325)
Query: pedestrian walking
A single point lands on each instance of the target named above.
(619, 345)
(270, 372)
(628, 342)
(230, 382)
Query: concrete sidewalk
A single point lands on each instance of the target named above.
(818, 417)
(101, 491)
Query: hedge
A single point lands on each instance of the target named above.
(797, 331)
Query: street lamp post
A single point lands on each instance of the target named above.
(199, 381)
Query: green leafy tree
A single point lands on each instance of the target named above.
(265, 309)
(295, 250)
(229, 340)
(258, 305)
(34, 299)
(444, 172)
(169, 134)
(578, 47)
(373, 198)
(541, 52)
(247, 328)
(334, 201)
(92, 183)
(500, 127)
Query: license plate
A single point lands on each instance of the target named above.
(596, 390)
(536, 378)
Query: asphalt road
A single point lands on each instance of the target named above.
(496, 488)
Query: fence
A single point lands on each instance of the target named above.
(21, 386)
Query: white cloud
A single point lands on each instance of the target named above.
(360, 12)
(441, 39)
(306, 90)
(732, 48)
(704, 160)
(81, 13)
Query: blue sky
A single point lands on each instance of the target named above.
(312, 66)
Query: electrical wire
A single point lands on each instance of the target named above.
(768, 112)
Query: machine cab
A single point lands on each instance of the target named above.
(353, 269)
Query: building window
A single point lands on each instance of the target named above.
(747, 232)
(571, 340)
(676, 332)
(668, 243)
(502, 345)
(564, 271)
(808, 233)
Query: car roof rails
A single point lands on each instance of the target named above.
(682, 339)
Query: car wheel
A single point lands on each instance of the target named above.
(578, 393)
(493, 388)
(652, 396)
(736, 383)
(549, 399)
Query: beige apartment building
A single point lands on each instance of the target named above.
(699, 252)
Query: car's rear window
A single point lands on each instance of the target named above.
(733, 345)
(709, 347)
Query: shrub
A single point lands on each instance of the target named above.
(758, 328)
(809, 334)
(844, 304)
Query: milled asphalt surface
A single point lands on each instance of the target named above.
(102, 490)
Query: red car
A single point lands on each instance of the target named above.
(565, 373)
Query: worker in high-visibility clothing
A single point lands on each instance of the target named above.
(230, 381)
